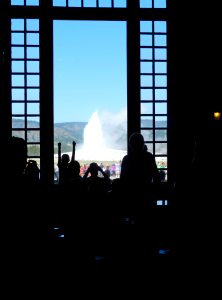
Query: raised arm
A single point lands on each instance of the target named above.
(103, 173)
(73, 150)
(59, 155)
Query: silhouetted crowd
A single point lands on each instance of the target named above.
(100, 215)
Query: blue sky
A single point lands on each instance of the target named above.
(90, 70)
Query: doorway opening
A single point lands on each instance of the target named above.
(90, 91)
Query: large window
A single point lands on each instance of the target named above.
(34, 85)
(153, 88)
(25, 83)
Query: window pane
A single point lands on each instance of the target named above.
(161, 148)
(145, 3)
(161, 121)
(160, 26)
(161, 135)
(146, 122)
(74, 3)
(146, 53)
(33, 80)
(33, 52)
(33, 136)
(33, 122)
(17, 38)
(149, 147)
(17, 52)
(161, 162)
(161, 94)
(146, 94)
(33, 66)
(18, 66)
(18, 108)
(160, 54)
(146, 67)
(32, 108)
(120, 3)
(89, 3)
(146, 108)
(17, 24)
(32, 39)
(17, 2)
(59, 2)
(33, 94)
(18, 80)
(160, 81)
(161, 108)
(19, 133)
(147, 134)
(160, 40)
(105, 3)
(146, 40)
(18, 122)
(146, 80)
(34, 150)
(146, 26)
(18, 94)
(161, 67)
(159, 3)
(32, 24)
(32, 2)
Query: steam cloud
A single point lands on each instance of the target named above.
(105, 136)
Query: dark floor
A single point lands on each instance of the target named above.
(123, 269)
(161, 272)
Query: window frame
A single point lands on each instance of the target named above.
(46, 14)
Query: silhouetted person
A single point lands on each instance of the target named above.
(24, 227)
(107, 171)
(138, 167)
(17, 155)
(67, 193)
(73, 172)
(75, 214)
(97, 188)
(75, 189)
(63, 161)
(138, 174)
(32, 172)
(95, 184)
(162, 175)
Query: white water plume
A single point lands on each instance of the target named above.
(104, 137)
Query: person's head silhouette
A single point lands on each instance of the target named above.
(136, 142)
(93, 168)
(74, 167)
(65, 159)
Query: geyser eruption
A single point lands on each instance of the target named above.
(97, 135)
(93, 135)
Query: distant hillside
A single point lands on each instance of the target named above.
(65, 133)
(68, 132)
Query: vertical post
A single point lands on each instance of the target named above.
(133, 67)
(46, 94)
(5, 79)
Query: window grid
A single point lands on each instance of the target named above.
(25, 2)
(153, 89)
(91, 3)
(152, 3)
(25, 83)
